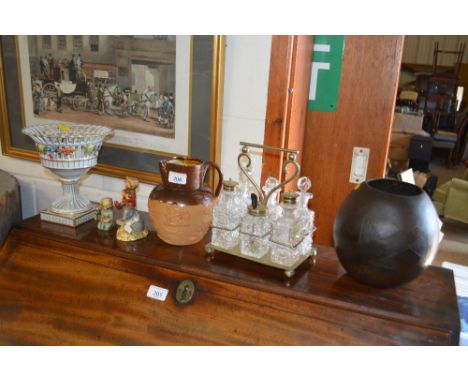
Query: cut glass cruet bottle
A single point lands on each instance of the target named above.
(255, 230)
(305, 215)
(286, 234)
(227, 216)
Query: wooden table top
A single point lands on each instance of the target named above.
(429, 301)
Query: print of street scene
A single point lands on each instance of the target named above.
(123, 82)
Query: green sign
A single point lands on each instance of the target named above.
(327, 58)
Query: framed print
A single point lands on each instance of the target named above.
(160, 94)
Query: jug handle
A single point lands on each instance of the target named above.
(163, 170)
(220, 180)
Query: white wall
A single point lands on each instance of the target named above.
(245, 94)
(245, 98)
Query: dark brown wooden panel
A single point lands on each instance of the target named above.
(363, 118)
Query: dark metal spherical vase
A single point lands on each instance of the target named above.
(386, 232)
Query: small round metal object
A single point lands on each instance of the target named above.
(210, 257)
(259, 211)
(292, 156)
(314, 252)
(245, 149)
(290, 273)
(289, 197)
(312, 260)
(229, 185)
(185, 292)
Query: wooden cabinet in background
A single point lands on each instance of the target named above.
(65, 286)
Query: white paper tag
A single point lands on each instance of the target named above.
(157, 293)
(177, 177)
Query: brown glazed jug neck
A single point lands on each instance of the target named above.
(203, 196)
(182, 174)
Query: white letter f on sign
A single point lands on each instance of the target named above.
(316, 66)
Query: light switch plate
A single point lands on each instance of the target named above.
(359, 164)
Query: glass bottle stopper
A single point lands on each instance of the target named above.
(304, 184)
(270, 184)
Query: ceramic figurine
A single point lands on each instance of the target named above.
(128, 193)
(105, 215)
(132, 227)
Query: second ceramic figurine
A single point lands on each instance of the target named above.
(132, 227)
(105, 215)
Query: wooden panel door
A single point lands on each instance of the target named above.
(368, 86)
(288, 88)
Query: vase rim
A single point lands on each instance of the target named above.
(394, 187)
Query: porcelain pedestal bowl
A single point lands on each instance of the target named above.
(69, 151)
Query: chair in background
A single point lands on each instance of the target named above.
(452, 138)
(451, 199)
(439, 99)
(446, 140)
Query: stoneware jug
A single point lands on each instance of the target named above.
(386, 232)
(181, 206)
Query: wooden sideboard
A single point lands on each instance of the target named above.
(66, 286)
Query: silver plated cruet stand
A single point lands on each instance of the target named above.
(244, 161)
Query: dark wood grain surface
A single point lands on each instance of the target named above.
(364, 115)
(60, 285)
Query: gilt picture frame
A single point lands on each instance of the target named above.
(193, 89)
